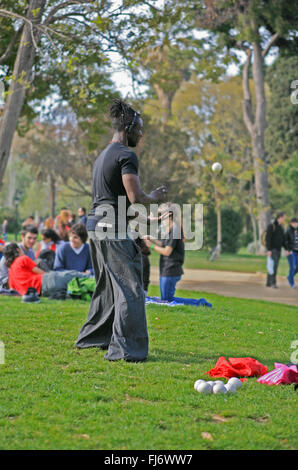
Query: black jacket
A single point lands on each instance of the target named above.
(275, 237)
(290, 239)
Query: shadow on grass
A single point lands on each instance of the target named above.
(160, 355)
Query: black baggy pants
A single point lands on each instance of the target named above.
(117, 318)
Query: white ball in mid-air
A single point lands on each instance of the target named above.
(204, 388)
(235, 381)
(218, 388)
(216, 167)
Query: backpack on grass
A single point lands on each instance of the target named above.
(81, 288)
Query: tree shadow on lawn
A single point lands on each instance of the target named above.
(160, 355)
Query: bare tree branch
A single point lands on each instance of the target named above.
(63, 5)
(10, 45)
(83, 191)
(270, 44)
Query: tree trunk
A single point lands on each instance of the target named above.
(254, 227)
(258, 141)
(166, 100)
(52, 183)
(261, 182)
(11, 182)
(19, 84)
(256, 127)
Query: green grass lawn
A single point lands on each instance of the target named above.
(53, 396)
(238, 262)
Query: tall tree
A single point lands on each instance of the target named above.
(282, 129)
(211, 115)
(57, 46)
(253, 26)
(21, 78)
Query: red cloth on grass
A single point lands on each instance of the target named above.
(237, 367)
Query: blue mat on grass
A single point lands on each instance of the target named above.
(178, 301)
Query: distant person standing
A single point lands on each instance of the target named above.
(82, 218)
(292, 247)
(275, 240)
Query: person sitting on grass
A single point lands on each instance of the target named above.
(50, 240)
(75, 254)
(82, 215)
(30, 281)
(2, 246)
(46, 252)
(29, 235)
(61, 224)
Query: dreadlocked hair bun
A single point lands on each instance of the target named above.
(121, 114)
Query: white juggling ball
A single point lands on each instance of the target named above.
(219, 389)
(216, 167)
(235, 381)
(204, 388)
(197, 382)
(230, 388)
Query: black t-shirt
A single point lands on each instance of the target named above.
(172, 265)
(115, 160)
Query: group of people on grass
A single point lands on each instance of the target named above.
(276, 239)
(32, 268)
(49, 267)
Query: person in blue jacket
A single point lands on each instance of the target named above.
(75, 254)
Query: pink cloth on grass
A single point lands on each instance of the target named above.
(282, 374)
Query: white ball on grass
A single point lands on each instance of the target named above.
(204, 388)
(197, 382)
(211, 383)
(230, 388)
(235, 381)
(218, 388)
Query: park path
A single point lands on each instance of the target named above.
(233, 284)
